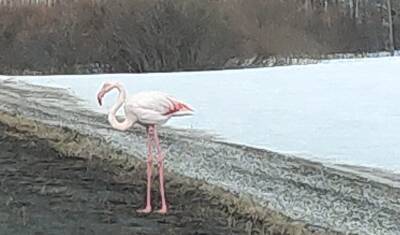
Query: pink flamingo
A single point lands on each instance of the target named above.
(149, 109)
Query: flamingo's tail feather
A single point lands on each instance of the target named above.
(180, 109)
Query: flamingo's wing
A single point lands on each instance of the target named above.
(159, 102)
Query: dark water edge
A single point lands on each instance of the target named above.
(256, 61)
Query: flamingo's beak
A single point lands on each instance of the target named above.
(100, 97)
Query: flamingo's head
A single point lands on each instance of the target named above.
(107, 86)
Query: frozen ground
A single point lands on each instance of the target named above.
(341, 111)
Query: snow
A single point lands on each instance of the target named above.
(338, 111)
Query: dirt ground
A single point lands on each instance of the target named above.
(42, 192)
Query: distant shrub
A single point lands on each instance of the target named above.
(170, 35)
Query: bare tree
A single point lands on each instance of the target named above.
(390, 20)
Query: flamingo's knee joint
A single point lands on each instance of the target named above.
(160, 161)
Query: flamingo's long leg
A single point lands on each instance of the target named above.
(150, 134)
(160, 160)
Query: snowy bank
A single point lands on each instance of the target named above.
(329, 197)
(341, 111)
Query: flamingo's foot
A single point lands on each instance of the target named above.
(162, 211)
(145, 210)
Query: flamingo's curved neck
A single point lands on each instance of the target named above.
(124, 125)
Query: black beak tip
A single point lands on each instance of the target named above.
(99, 100)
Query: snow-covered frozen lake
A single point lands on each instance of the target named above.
(342, 111)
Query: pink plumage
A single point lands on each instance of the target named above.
(150, 109)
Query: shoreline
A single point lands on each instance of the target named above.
(299, 192)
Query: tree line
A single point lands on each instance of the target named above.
(173, 35)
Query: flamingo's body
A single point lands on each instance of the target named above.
(154, 107)
(149, 109)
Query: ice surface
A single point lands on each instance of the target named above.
(341, 111)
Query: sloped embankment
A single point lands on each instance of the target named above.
(257, 190)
